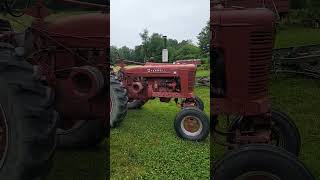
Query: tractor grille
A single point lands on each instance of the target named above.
(191, 80)
(261, 44)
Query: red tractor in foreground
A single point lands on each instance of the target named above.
(167, 81)
(264, 141)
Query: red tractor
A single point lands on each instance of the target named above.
(72, 55)
(168, 81)
(241, 49)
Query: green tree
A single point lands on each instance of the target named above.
(204, 40)
(188, 51)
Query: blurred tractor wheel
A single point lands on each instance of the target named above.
(284, 132)
(118, 102)
(260, 162)
(81, 133)
(27, 120)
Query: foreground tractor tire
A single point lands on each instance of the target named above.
(118, 102)
(27, 121)
(260, 162)
(285, 133)
(192, 124)
(135, 104)
(83, 134)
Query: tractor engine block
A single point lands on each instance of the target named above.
(159, 80)
(142, 88)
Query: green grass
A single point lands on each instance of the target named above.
(297, 36)
(89, 164)
(145, 146)
(203, 73)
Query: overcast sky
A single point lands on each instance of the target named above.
(177, 19)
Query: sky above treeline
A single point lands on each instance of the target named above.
(177, 19)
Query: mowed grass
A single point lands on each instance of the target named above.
(145, 146)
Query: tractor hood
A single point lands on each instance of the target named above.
(155, 69)
(82, 31)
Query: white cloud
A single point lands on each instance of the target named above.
(178, 19)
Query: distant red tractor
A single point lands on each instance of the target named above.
(168, 81)
(263, 140)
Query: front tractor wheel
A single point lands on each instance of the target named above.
(284, 133)
(260, 162)
(192, 124)
(118, 102)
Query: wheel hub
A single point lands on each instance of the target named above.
(3, 137)
(191, 126)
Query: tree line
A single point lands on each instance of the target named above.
(152, 45)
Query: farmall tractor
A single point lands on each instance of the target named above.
(262, 142)
(72, 55)
(69, 55)
(167, 81)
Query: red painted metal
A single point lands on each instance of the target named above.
(246, 62)
(279, 6)
(159, 80)
(241, 48)
(72, 53)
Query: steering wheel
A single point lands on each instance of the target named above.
(10, 6)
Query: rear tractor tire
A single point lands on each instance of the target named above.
(265, 162)
(27, 120)
(118, 102)
(83, 134)
(192, 124)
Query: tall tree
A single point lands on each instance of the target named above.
(204, 40)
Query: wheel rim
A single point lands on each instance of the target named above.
(261, 175)
(191, 126)
(3, 137)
